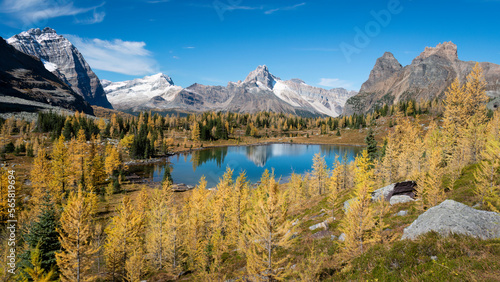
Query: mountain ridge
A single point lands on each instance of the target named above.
(426, 78)
(260, 91)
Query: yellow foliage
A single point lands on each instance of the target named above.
(75, 261)
(269, 230)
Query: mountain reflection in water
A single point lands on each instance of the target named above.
(188, 168)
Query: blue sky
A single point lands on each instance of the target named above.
(213, 42)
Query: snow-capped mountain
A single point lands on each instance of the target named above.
(64, 60)
(260, 91)
(132, 93)
(27, 86)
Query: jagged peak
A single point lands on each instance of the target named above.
(161, 76)
(388, 55)
(261, 75)
(35, 34)
(384, 67)
(446, 49)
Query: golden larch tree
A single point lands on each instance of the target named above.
(487, 175)
(123, 238)
(359, 218)
(195, 218)
(269, 232)
(320, 172)
(76, 259)
(61, 164)
(238, 209)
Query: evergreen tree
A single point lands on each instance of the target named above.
(371, 145)
(167, 176)
(43, 233)
(36, 272)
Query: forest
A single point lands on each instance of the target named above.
(75, 165)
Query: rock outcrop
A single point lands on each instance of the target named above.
(426, 78)
(457, 218)
(27, 86)
(64, 60)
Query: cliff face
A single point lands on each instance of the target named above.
(64, 60)
(427, 77)
(26, 85)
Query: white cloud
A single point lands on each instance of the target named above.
(30, 12)
(97, 17)
(125, 57)
(189, 47)
(287, 8)
(335, 83)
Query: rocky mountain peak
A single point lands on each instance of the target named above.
(447, 50)
(64, 60)
(27, 86)
(385, 66)
(261, 77)
(163, 78)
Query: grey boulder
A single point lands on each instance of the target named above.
(452, 217)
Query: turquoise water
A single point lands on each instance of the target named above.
(188, 168)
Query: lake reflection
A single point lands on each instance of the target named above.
(283, 158)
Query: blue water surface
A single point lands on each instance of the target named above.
(284, 159)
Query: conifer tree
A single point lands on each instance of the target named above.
(487, 174)
(238, 208)
(195, 217)
(381, 209)
(359, 217)
(162, 236)
(36, 272)
(61, 166)
(295, 187)
(75, 261)
(41, 177)
(371, 145)
(112, 162)
(430, 187)
(309, 267)
(269, 231)
(320, 172)
(42, 233)
(123, 237)
(195, 132)
(335, 186)
(134, 266)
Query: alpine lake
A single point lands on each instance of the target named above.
(283, 159)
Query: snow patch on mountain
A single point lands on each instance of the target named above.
(259, 91)
(127, 94)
